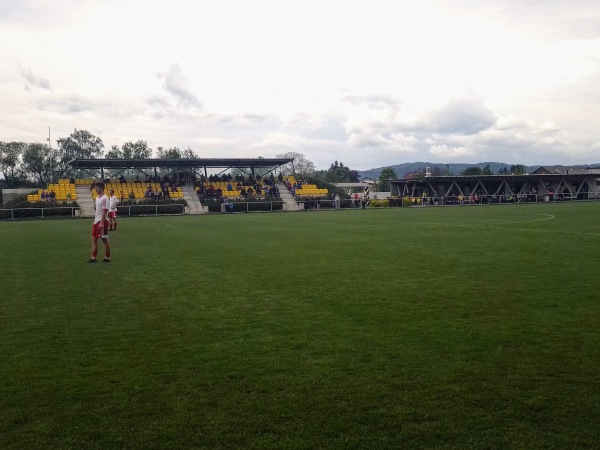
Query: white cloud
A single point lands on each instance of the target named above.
(175, 84)
(370, 83)
(465, 115)
(31, 81)
(445, 153)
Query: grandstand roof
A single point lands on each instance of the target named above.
(178, 163)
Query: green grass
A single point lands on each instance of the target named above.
(472, 327)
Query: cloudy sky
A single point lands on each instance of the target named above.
(366, 82)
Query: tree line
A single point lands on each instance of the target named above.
(26, 164)
(35, 164)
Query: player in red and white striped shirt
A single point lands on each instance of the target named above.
(100, 226)
(112, 211)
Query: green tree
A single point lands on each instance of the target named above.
(136, 150)
(171, 153)
(11, 164)
(486, 170)
(81, 144)
(338, 173)
(188, 153)
(518, 169)
(114, 153)
(503, 171)
(301, 167)
(387, 174)
(39, 162)
(473, 170)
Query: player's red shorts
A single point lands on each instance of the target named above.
(96, 230)
(112, 215)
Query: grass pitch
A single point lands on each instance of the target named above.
(457, 327)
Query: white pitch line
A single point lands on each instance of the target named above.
(527, 229)
(496, 227)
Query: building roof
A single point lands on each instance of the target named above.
(352, 185)
(178, 163)
(562, 170)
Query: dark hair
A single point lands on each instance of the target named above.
(100, 184)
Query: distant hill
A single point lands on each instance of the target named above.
(455, 169)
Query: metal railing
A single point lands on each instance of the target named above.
(495, 199)
(149, 210)
(266, 206)
(38, 213)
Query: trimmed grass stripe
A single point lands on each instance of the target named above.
(458, 327)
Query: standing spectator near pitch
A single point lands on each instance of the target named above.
(112, 211)
(100, 226)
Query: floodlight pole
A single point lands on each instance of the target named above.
(49, 154)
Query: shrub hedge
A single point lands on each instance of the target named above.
(22, 209)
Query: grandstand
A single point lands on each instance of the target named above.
(129, 189)
(195, 182)
(304, 190)
(64, 190)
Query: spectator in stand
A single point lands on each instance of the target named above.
(43, 196)
(280, 177)
(250, 192)
(52, 195)
(243, 193)
(131, 195)
(68, 196)
(229, 187)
